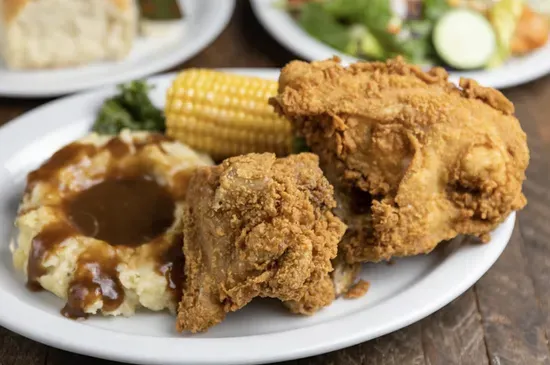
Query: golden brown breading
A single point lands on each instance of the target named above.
(316, 296)
(428, 160)
(257, 226)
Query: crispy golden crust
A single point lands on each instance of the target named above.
(257, 226)
(317, 295)
(429, 160)
(11, 8)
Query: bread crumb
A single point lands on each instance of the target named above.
(358, 289)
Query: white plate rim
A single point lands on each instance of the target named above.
(221, 15)
(471, 262)
(288, 33)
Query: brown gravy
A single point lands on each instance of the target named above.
(69, 154)
(126, 208)
(48, 239)
(76, 151)
(95, 277)
(171, 264)
(125, 212)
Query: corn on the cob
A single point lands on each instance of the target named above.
(225, 115)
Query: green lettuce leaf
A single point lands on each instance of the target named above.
(434, 9)
(360, 28)
(374, 14)
(325, 27)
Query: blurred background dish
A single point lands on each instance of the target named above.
(115, 41)
(499, 44)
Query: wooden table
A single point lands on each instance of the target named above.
(503, 319)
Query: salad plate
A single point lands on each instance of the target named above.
(399, 295)
(204, 20)
(286, 30)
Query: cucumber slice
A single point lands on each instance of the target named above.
(464, 39)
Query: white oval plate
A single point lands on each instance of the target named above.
(264, 331)
(287, 32)
(204, 21)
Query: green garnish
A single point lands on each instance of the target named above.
(299, 145)
(160, 9)
(130, 109)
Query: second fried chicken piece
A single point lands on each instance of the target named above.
(257, 226)
(414, 159)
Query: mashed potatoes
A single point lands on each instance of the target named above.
(100, 223)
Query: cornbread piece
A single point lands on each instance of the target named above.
(257, 226)
(100, 223)
(61, 33)
(414, 159)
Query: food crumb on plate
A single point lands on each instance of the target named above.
(358, 289)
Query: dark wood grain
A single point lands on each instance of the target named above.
(244, 43)
(58, 357)
(454, 335)
(534, 221)
(505, 319)
(399, 348)
(12, 108)
(16, 350)
(512, 318)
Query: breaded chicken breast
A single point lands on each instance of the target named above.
(257, 226)
(414, 159)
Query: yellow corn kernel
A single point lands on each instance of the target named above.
(225, 115)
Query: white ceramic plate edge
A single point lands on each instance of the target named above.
(285, 30)
(470, 261)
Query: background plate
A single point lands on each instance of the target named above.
(264, 331)
(204, 21)
(287, 32)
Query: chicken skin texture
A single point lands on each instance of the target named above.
(257, 226)
(414, 159)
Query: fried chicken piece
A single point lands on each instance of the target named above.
(257, 226)
(414, 159)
